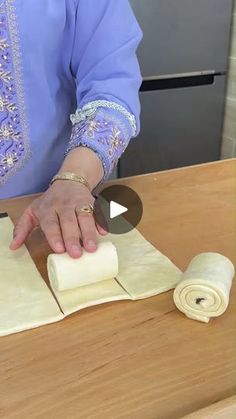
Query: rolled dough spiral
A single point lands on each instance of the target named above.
(204, 288)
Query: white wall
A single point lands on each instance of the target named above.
(229, 132)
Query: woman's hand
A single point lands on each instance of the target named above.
(58, 214)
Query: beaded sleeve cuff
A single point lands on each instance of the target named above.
(104, 127)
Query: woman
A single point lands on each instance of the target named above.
(65, 61)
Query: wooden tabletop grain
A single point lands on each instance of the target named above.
(134, 360)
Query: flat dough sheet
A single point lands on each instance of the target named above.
(143, 272)
(98, 293)
(25, 300)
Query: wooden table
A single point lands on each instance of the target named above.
(134, 360)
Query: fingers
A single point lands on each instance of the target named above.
(64, 226)
(100, 220)
(23, 228)
(51, 228)
(88, 230)
(101, 230)
(70, 232)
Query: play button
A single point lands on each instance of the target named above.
(118, 209)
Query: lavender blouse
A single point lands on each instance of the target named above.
(69, 76)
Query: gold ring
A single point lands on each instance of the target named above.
(87, 208)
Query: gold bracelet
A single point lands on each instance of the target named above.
(70, 176)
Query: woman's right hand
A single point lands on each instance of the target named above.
(58, 213)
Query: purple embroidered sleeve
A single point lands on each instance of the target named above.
(106, 69)
(104, 130)
(14, 148)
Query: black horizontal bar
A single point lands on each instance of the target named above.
(3, 214)
(177, 82)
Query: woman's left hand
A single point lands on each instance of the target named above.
(58, 213)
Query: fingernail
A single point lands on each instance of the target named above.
(90, 243)
(59, 246)
(75, 248)
(14, 242)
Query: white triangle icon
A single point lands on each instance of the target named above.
(116, 209)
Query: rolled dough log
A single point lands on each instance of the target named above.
(143, 272)
(25, 300)
(66, 273)
(204, 289)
